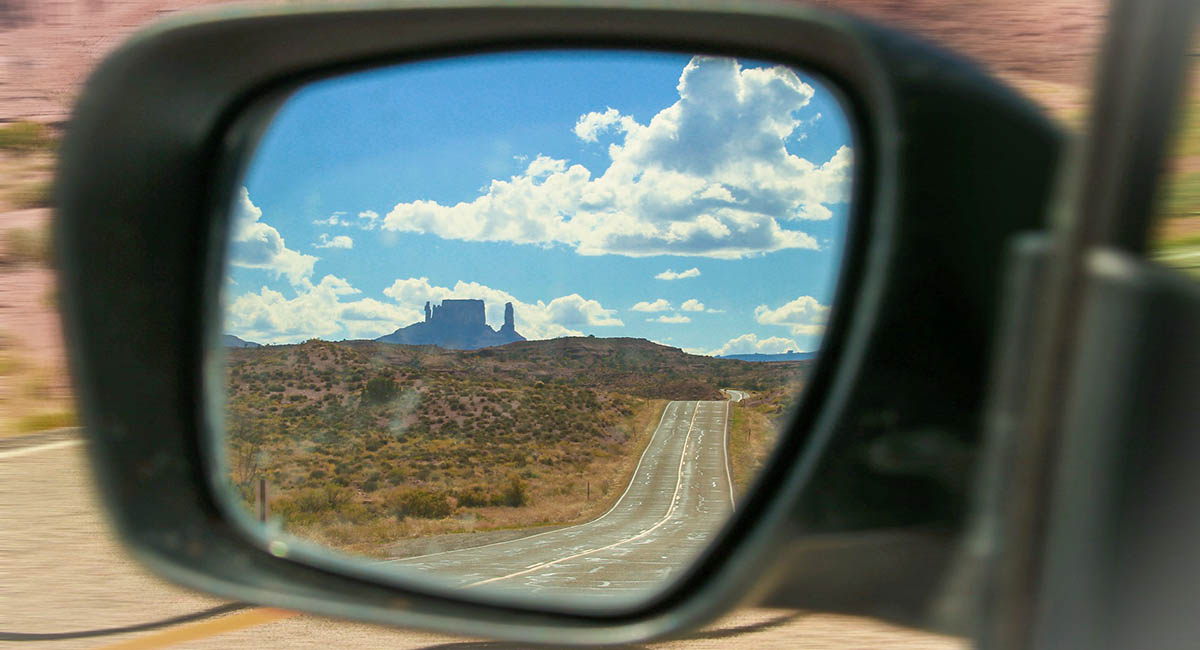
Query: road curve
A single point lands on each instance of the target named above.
(678, 498)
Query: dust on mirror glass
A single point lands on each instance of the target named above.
(528, 321)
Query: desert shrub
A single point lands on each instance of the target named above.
(44, 421)
(25, 137)
(311, 505)
(380, 390)
(39, 194)
(25, 246)
(515, 495)
(475, 497)
(420, 504)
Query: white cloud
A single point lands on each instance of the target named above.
(692, 304)
(562, 316)
(671, 275)
(367, 219)
(591, 125)
(673, 319)
(326, 310)
(751, 344)
(334, 219)
(804, 315)
(319, 310)
(340, 241)
(707, 176)
(257, 245)
(658, 305)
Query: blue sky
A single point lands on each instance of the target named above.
(695, 201)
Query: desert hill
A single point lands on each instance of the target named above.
(351, 431)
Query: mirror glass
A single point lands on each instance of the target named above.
(528, 321)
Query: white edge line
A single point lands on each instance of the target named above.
(665, 519)
(725, 447)
(559, 530)
(25, 451)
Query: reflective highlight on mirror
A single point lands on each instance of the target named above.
(528, 321)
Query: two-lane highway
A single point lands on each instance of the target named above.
(678, 498)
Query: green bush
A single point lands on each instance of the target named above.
(24, 137)
(515, 495)
(380, 390)
(38, 194)
(25, 246)
(45, 421)
(419, 504)
(312, 505)
(475, 497)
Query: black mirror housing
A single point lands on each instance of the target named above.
(877, 463)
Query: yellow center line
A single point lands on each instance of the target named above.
(202, 629)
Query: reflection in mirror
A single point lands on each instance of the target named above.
(528, 321)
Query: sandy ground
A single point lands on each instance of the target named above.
(61, 570)
(47, 47)
(34, 379)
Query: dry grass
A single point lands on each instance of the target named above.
(753, 434)
(25, 179)
(364, 522)
(45, 421)
(364, 444)
(360, 527)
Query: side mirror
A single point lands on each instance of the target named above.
(864, 497)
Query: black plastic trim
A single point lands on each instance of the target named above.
(147, 169)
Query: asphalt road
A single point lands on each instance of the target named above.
(677, 500)
(61, 570)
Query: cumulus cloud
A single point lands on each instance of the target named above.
(320, 310)
(592, 124)
(367, 219)
(658, 305)
(340, 241)
(671, 275)
(692, 305)
(672, 319)
(804, 315)
(257, 245)
(334, 219)
(562, 316)
(334, 309)
(709, 175)
(751, 344)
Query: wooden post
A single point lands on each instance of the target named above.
(589, 490)
(262, 500)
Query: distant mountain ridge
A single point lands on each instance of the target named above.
(783, 356)
(231, 341)
(456, 325)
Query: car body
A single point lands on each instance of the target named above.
(1004, 359)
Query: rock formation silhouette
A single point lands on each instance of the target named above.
(457, 325)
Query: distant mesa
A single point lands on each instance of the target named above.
(232, 341)
(456, 325)
(758, 357)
